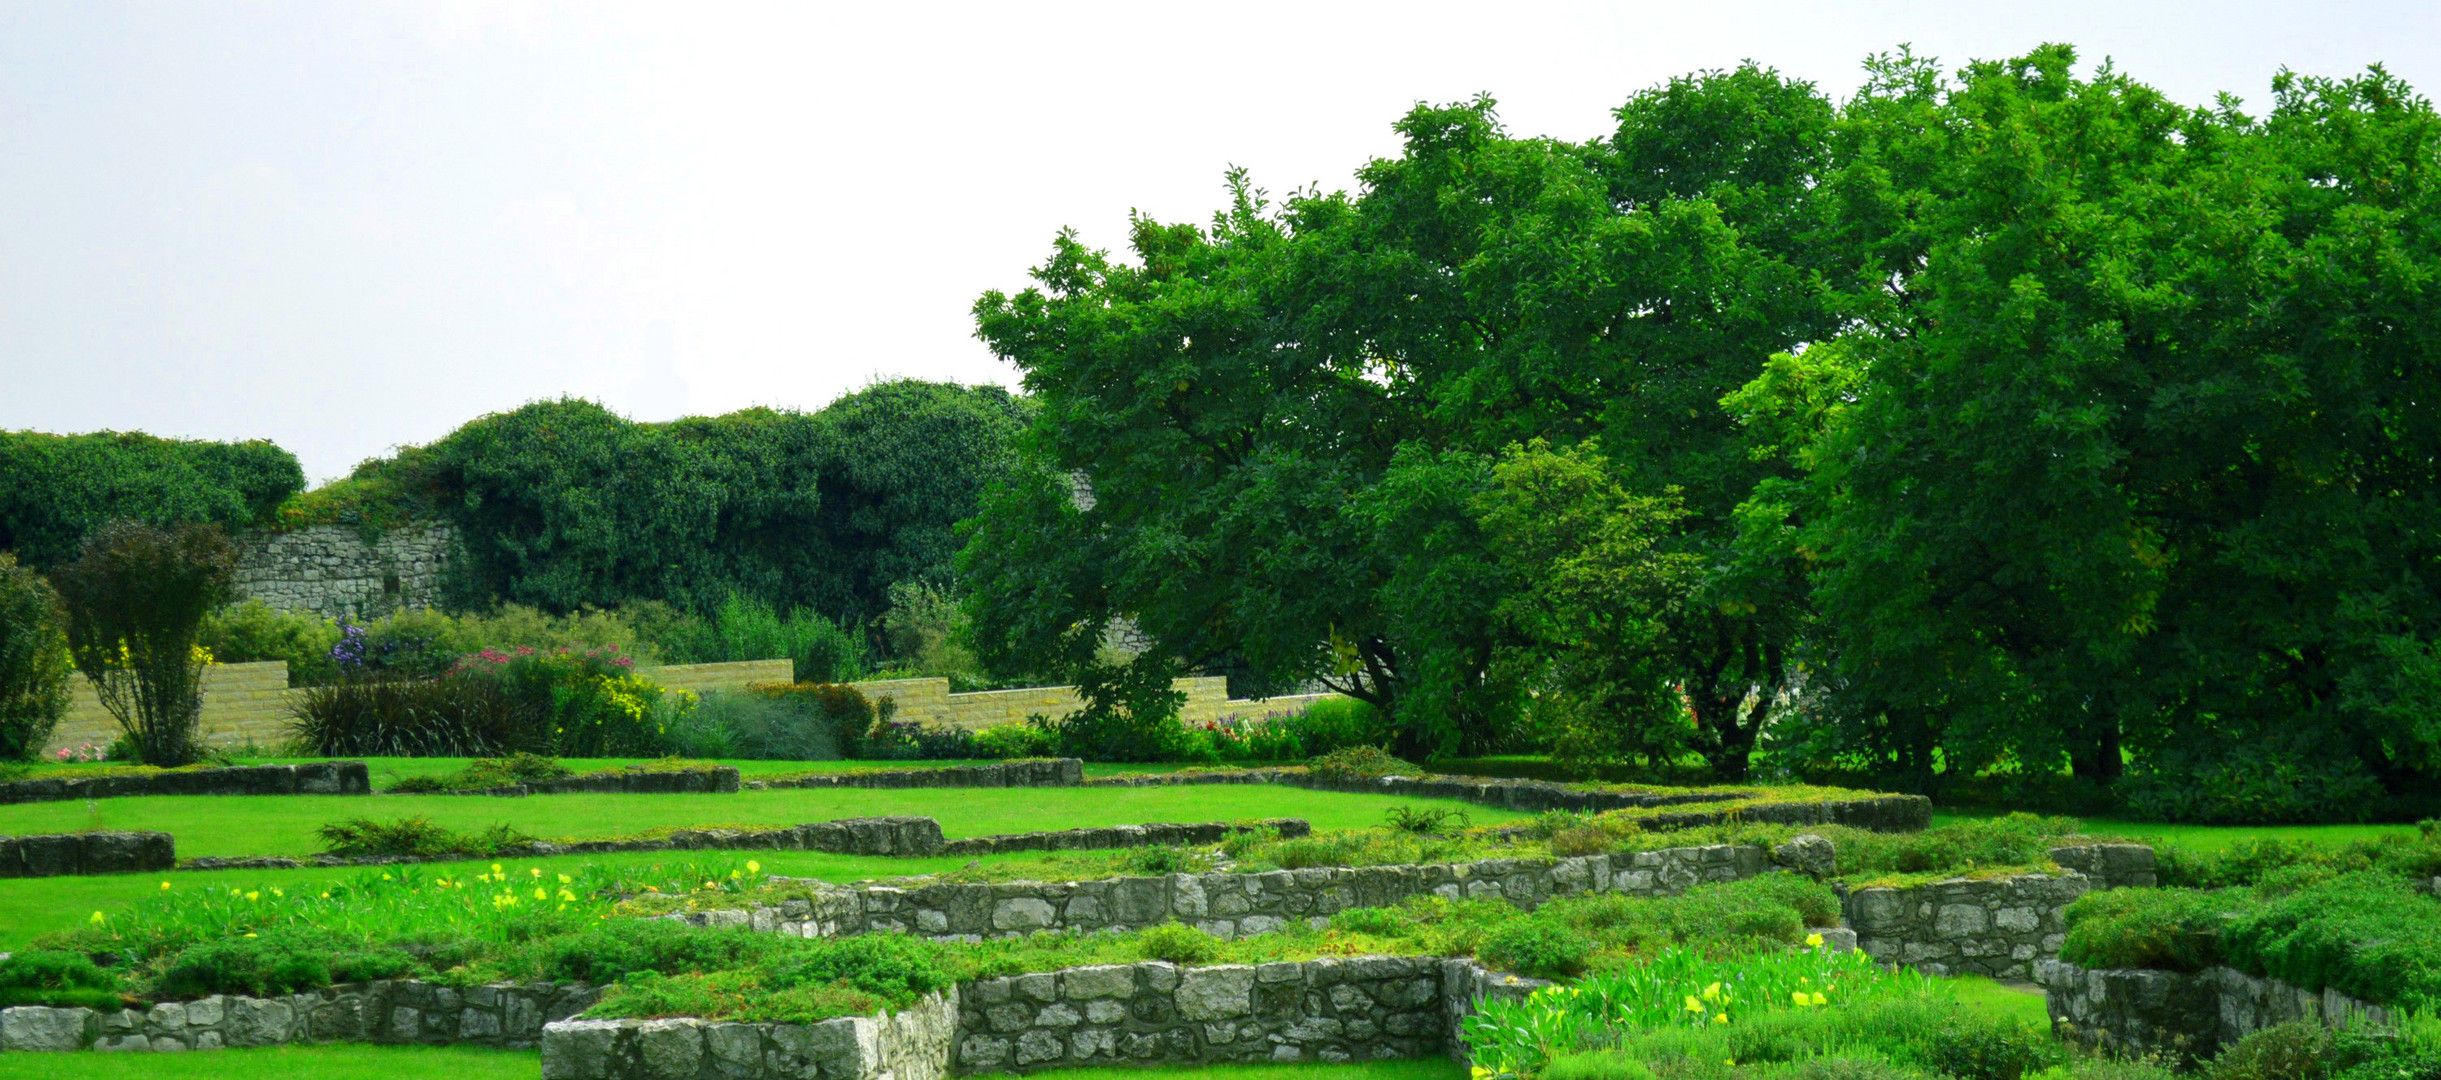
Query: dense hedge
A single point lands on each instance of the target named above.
(56, 488)
(563, 504)
(2369, 935)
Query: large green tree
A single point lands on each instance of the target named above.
(54, 489)
(1284, 421)
(2134, 454)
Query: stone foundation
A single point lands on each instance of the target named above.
(2191, 1015)
(1997, 927)
(319, 778)
(85, 853)
(2110, 866)
(632, 780)
(400, 1011)
(912, 1044)
(1225, 904)
(1044, 772)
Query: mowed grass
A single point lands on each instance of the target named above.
(2210, 837)
(238, 825)
(346, 1061)
(283, 824)
(337, 1061)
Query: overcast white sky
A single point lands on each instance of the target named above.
(346, 226)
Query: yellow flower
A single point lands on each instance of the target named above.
(385, 877)
(495, 868)
(1720, 1018)
(278, 893)
(1821, 1000)
(564, 879)
(1712, 992)
(253, 896)
(534, 870)
(165, 886)
(566, 897)
(1693, 1005)
(1797, 997)
(736, 874)
(539, 894)
(97, 919)
(1813, 941)
(753, 867)
(326, 896)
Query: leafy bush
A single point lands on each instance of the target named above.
(33, 661)
(747, 628)
(2172, 929)
(418, 837)
(1536, 948)
(135, 597)
(772, 724)
(1002, 742)
(253, 631)
(2296, 1050)
(1360, 763)
(1337, 723)
(447, 716)
(2367, 935)
(822, 721)
(62, 487)
(59, 979)
(483, 774)
(2286, 775)
(282, 962)
(1177, 943)
(1424, 819)
(912, 741)
(584, 704)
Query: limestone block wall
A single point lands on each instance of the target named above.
(398, 1011)
(2188, 1014)
(314, 778)
(1225, 904)
(911, 1044)
(242, 704)
(1998, 926)
(1037, 772)
(332, 570)
(929, 702)
(86, 853)
(727, 675)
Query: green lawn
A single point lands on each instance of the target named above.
(353, 1062)
(340, 1061)
(283, 824)
(2209, 837)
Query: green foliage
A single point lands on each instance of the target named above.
(2256, 861)
(1359, 763)
(563, 504)
(1424, 819)
(135, 598)
(1007, 741)
(588, 703)
(418, 837)
(483, 774)
(59, 979)
(2370, 936)
(282, 962)
(253, 631)
(814, 721)
(2017, 839)
(746, 628)
(1536, 948)
(2172, 929)
(62, 487)
(1177, 943)
(34, 663)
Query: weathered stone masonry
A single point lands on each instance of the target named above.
(319, 778)
(2192, 1014)
(331, 570)
(1991, 926)
(1225, 904)
(85, 853)
(398, 1011)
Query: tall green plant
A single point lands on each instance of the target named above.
(135, 598)
(33, 661)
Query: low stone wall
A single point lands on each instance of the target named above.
(2110, 866)
(2187, 1014)
(1997, 927)
(1465, 986)
(911, 1044)
(318, 778)
(398, 1011)
(85, 853)
(928, 701)
(1225, 904)
(1039, 772)
(1150, 834)
(632, 780)
(1879, 813)
(1153, 1013)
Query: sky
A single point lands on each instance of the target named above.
(350, 226)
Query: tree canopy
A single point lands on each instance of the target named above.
(2004, 418)
(54, 489)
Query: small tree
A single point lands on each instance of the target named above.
(135, 598)
(33, 661)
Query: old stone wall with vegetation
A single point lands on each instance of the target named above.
(334, 570)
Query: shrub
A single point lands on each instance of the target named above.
(1337, 723)
(58, 979)
(748, 628)
(1360, 763)
(2171, 929)
(1177, 943)
(448, 716)
(280, 962)
(33, 661)
(1536, 948)
(1424, 819)
(62, 487)
(2367, 935)
(911, 741)
(483, 774)
(2296, 1050)
(418, 837)
(135, 598)
(822, 720)
(253, 631)
(2009, 840)
(587, 704)
(1002, 742)
(1988, 1051)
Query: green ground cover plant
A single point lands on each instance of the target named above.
(2369, 935)
(328, 1061)
(517, 921)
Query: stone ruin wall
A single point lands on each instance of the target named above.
(331, 570)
